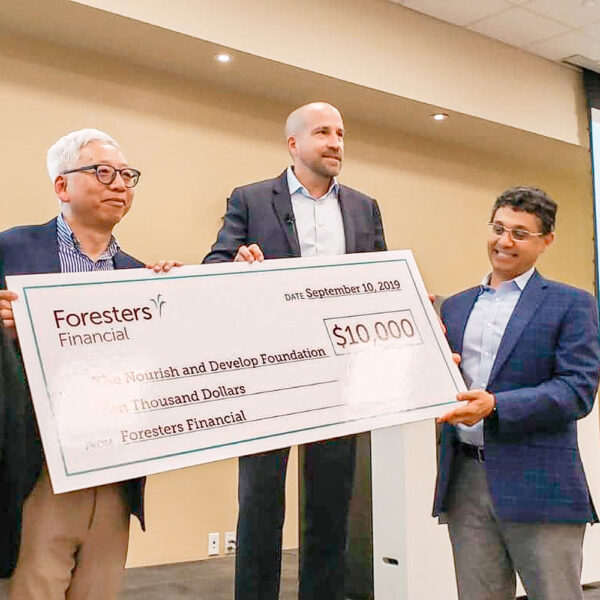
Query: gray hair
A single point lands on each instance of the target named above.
(63, 154)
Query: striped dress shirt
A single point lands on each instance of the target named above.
(73, 260)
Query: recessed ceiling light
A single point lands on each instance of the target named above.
(589, 3)
(223, 58)
(439, 116)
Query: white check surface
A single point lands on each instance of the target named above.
(134, 373)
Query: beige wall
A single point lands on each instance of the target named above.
(386, 47)
(193, 143)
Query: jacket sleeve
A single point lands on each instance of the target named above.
(2, 273)
(378, 227)
(569, 394)
(234, 231)
(21, 459)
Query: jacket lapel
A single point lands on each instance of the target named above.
(526, 307)
(282, 205)
(45, 249)
(347, 207)
(124, 261)
(456, 328)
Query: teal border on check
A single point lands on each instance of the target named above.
(68, 473)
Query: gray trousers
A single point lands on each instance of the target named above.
(488, 551)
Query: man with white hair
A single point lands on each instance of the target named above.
(303, 212)
(67, 546)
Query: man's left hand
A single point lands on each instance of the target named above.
(479, 405)
(163, 266)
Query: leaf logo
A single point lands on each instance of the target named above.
(158, 303)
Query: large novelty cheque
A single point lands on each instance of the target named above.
(133, 373)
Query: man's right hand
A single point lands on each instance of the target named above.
(249, 254)
(6, 312)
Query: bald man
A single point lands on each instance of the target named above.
(303, 212)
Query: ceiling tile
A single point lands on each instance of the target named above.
(573, 13)
(567, 44)
(459, 12)
(518, 27)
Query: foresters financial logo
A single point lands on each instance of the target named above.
(90, 327)
(158, 304)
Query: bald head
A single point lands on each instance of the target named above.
(315, 140)
(298, 119)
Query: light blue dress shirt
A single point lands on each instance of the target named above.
(484, 330)
(319, 221)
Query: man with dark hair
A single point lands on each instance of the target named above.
(510, 483)
(303, 212)
(530, 200)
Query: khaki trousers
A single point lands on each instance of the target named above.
(73, 545)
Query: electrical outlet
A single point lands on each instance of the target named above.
(230, 542)
(213, 544)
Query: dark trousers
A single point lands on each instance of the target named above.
(328, 473)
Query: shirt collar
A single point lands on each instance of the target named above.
(520, 282)
(294, 185)
(67, 238)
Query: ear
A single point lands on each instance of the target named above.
(60, 188)
(548, 239)
(291, 144)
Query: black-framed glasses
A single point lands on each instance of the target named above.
(517, 234)
(106, 174)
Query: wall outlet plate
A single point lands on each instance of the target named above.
(213, 544)
(230, 542)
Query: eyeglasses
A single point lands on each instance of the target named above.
(516, 234)
(106, 174)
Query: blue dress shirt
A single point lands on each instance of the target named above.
(483, 333)
(319, 221)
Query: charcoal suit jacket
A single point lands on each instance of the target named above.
(261, 213)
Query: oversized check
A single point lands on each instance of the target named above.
(134, 373)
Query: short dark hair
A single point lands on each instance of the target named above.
(530, 200)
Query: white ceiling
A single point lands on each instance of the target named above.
(555, 29)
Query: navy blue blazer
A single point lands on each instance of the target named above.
(261, 213)
(33, 249)
(20, 452)
(544, 378)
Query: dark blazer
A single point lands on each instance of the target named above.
(28, 250)
(544, 378)
(261, 213)
(20, 452)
